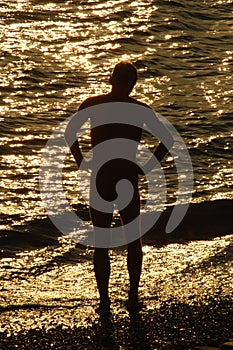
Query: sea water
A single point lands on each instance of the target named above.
(55, 54)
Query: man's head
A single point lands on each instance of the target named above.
(124, 77)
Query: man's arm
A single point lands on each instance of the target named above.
(70, 132)
(160, 151)
(165, 136)
(75, 150)
(71, 139)
(158, 154)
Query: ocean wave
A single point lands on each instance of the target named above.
(202, 221)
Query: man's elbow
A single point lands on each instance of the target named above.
(168, 142)
(70, 135)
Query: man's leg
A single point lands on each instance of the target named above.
(101, 260)
(134, 257)
(102, 272)
(134, 264)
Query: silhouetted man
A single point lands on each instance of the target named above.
(122, 80)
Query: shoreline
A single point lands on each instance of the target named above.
(49, 302)
(204, 220)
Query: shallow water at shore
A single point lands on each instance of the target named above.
(55, 287)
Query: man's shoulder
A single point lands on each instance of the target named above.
(133, 100)
(93, 100)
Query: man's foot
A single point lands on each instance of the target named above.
(104, 309)
(134, 306)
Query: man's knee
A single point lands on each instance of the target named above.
(100, 253)
(135, 246)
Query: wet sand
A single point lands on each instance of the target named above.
(49, 296)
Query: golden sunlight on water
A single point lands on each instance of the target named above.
(56, 55)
